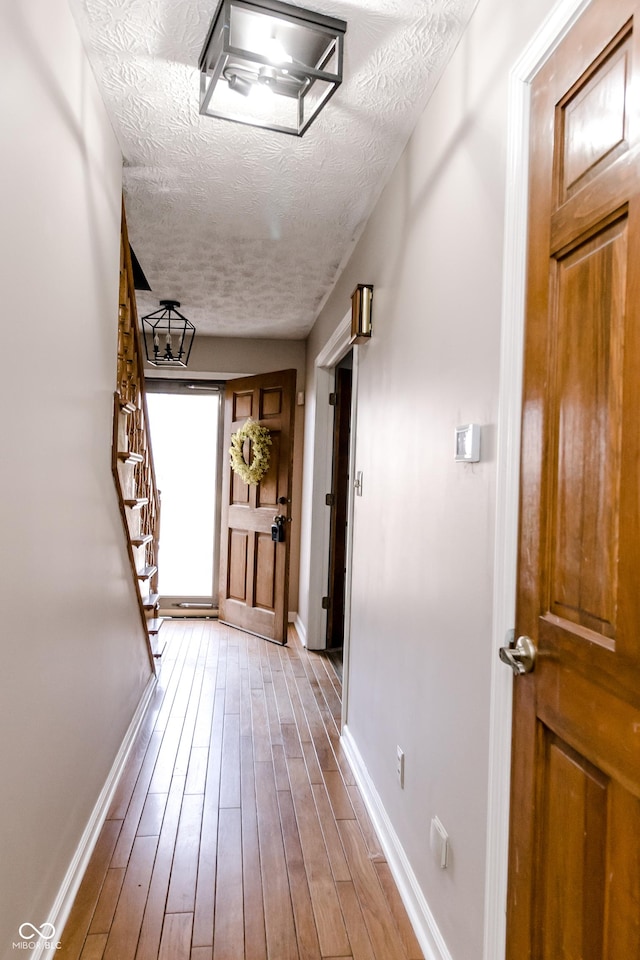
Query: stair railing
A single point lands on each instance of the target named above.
(132, 458)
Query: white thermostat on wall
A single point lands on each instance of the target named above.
(468, 442)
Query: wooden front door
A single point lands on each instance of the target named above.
(574, 877)
(254, 569)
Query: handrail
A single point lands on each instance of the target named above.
(132, 457)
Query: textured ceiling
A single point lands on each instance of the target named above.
(245, 227)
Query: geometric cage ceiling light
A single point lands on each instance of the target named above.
(168, 336)
(270, 64)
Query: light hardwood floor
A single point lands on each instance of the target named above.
(237, 831)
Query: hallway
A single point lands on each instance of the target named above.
(237, 831)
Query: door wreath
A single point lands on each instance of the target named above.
(260, 437)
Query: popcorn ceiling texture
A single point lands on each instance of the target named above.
(248, 228)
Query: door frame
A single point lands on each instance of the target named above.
(341, 484)
(552, 31)
(194, 606)
(331, 354)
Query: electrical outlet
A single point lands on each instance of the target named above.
(400, 765)
(439, 843)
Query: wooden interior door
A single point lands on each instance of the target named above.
(254, 569)
(574, 878)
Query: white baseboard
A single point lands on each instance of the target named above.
(301, 630)
(422, 920)
(71, 883)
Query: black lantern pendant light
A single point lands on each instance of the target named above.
(168, 336)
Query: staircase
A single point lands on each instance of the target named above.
(132, 460)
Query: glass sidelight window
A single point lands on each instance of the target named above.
(185, 424)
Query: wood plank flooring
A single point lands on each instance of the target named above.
(237, 831)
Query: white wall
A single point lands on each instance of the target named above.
(223, 358)
(74, 659)
(421, 629)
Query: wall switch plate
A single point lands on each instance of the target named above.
(400, 766)
(439, 843)
(468, 443)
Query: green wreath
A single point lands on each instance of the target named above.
(260, 438)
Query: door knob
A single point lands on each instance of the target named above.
(520, 658)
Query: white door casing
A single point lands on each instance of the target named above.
(316, 628)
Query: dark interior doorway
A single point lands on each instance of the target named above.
(339, 501)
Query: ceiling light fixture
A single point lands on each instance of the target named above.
(168, 336)
(294, 53)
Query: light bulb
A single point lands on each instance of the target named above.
(275, 52)
(261, 93)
